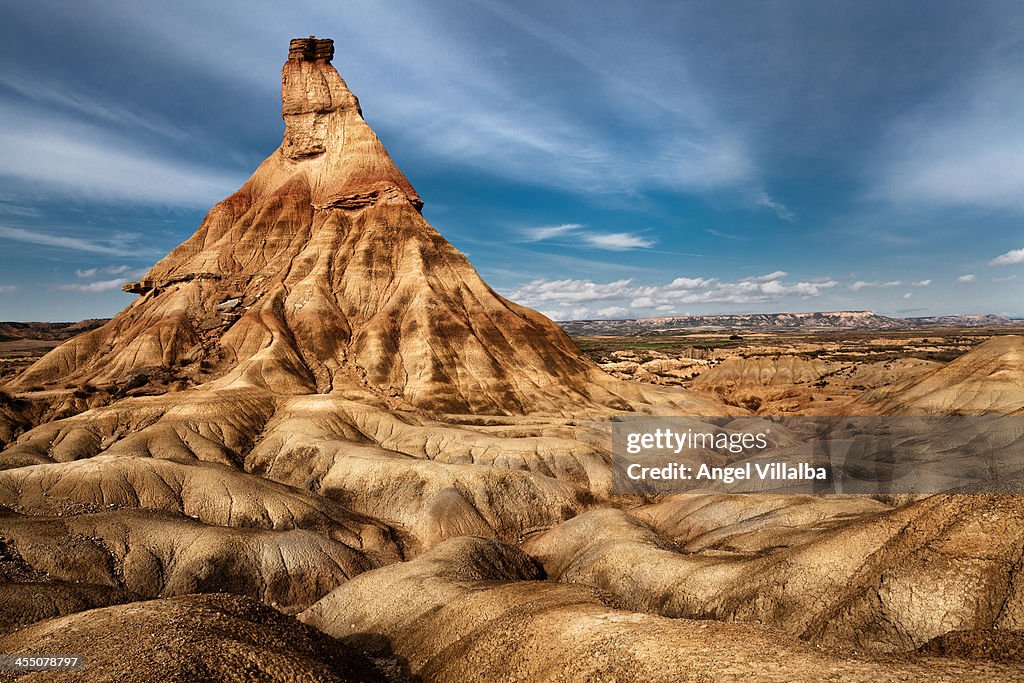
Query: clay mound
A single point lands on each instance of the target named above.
(28, 595)
(193, 638)
(987, 379)
(28, 602)
(320, 275)
(154, 555)
(470, 609)
(879, 581)
(426, 479)
(766, 384)
(213, 494)
(762, 371)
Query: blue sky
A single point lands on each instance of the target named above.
(592, 159)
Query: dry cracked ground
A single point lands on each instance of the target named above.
(319, 447)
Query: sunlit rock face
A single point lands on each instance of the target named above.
(321, 275)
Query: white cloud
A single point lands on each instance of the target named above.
(689, 283)
(617, 241)
(922, 283)
(547, 232)
(807, 290)
(567, 292)
(861, 284)
(99, 286)
(765, 278)
(969, 277)
(89, 273)
(561, 297)
(117, 270)
(907, 295)
(1004, 279)
(611, 311)
(611, 241)
(1010, 258)
(7, 289)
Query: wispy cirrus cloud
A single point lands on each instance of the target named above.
(862, 284)
(115, 246)
(702, 152)
(617, 241)
(93, 287)
(52, 93)
(126, 273)
(547, 232)
(89, 273)
(47, 154)
(778, 208)
(8, 289)
(611, 241)
(726, 235)
(963, 147)
(964, 279)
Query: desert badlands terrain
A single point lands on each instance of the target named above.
(318, 446)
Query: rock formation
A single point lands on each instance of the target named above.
(316, 403)
(194, 638)
(987, 379)
(472, 609)
(320, 275)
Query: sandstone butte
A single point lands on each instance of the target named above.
(316, 404)
(321, 275)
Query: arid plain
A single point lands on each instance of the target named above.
(319, 447)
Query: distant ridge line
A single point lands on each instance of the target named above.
(847, 320)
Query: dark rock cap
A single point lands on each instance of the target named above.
(311, 49)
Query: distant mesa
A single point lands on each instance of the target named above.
(819, 320)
